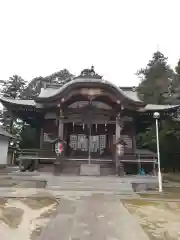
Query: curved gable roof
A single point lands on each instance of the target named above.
(51, 94)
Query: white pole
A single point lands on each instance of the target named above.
(158, 156)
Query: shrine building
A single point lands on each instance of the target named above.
(90, 115)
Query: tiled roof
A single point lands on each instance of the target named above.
(132, 95)
(127, 93)
(19, 101)
(155, 107)
(48, 92)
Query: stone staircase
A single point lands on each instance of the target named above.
(94, 184)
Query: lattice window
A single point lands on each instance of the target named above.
(102, 143)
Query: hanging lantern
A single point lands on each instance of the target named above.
(59, 148)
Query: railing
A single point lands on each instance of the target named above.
(50, 155)
(139, 158)
(35, 155)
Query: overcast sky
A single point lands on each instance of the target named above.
(39, 37)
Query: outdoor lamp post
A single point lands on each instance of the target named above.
(156, 116)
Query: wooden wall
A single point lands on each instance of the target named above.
(128, 136)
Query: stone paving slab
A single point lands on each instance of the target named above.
(95, 217)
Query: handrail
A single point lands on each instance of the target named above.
(33, 151)
(133, 156)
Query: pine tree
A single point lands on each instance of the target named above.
(156, 79)
(34, 87)
(13, 87)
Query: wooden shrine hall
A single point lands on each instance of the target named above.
(90, 115)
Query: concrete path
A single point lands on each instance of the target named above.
(95, 217)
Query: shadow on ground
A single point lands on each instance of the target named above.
(25, 218)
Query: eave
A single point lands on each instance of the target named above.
(18, 102)
(159, 108)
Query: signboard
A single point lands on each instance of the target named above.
(91, 91)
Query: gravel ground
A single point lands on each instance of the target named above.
(160, 220)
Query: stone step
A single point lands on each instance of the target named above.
(95, 184)
(73, 186)
(91, 186)
(9, 169)
(24, 173)
(90, 179)
(92, 189)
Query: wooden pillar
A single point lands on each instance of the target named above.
(118, 128)
(39, 132)
(139, 163)
(61, 126)
(41, 138)
(58, 164)
(117, 138)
